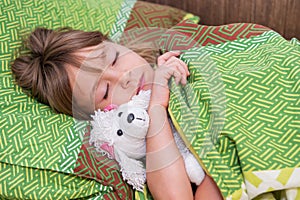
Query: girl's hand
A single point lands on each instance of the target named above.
(163, 158)
(168, 65)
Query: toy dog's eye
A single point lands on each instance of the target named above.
(130, 118)
(119, 132)
(120, 113)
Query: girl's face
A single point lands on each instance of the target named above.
(124, 74)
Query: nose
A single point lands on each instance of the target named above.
(125, 79)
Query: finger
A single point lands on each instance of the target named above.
(177, 72)
(185, 67)
(180, 76)
(182, 64)
(177, 76)
(180, 67)
(166, 56)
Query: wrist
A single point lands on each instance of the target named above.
(162, 157)
(158, 119)
(159, 95)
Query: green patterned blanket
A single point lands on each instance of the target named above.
(240, 114)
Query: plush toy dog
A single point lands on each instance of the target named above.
(120, 133)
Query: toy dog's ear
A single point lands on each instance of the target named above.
(141, 100)
(100, 135)
(108, 149)
(133, 171)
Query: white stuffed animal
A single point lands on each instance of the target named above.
(120, 133)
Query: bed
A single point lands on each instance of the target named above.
(44, 155)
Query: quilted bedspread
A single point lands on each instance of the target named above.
(240, 114)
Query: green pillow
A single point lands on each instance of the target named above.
(38, 148)
(42, 154)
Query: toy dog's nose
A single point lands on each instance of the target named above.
(130, 118)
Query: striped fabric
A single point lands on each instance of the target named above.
(38, 148)
(147, 14)
(44, 155)
(240, 114)
(187, 34)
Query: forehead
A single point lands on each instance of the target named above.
(95, 59)
(100, 56)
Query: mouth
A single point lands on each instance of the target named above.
(141, 119)
(141, 84)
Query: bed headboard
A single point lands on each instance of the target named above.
(281, 15)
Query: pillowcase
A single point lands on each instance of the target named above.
(186, 34)
(39, 149)
(44, 154)
(145, 14)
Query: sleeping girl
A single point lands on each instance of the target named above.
(236, 103)
(77, 72)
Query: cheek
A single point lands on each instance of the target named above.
(118, 96)
(97, 97)
(121, 96)
(99, 104)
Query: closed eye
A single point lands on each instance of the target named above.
(116, 57)
(106, 92)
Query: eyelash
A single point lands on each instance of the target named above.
(107, 86)
(115, 60)
(106, 92)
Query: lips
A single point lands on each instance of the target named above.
(141, 84)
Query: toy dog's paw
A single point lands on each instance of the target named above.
(194, 170)
(136, 179)
(133, 171)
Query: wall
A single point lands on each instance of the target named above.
(280, 15)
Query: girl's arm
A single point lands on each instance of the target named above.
(166, 175)
(208, 189)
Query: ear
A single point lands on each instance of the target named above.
(133, 171)
(141, 100)
(108, 149)
(102, 122)
(101, 131)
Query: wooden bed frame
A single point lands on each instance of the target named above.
(282, 16)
